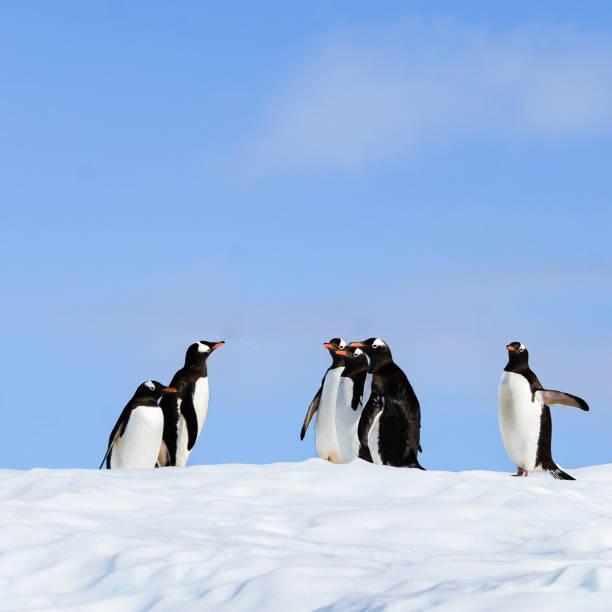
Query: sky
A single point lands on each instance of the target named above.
(275, 175)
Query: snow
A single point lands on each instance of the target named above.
(304, 536)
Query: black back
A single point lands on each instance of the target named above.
(393, 397)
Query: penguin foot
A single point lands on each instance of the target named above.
(520, 472)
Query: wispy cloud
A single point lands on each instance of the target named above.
(373, 94)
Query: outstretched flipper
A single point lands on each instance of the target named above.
(549, 397)
(314, 406)
(373, 409)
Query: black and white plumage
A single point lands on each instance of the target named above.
(185, 412)
(390, 424)
(136, 438)
(524, 416)
(324, 405)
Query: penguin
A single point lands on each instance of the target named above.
(324, 404)
(390, 424)
(185, 412)
(136, 438)
(524, 416)
(349, 404)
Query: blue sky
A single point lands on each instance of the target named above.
(275, 175)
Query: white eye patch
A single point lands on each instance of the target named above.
(521, 348)
(378, 342)
(203, 348)
(358, 352)
(342, 344)
(149, 384)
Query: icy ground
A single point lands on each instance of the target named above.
(304, 536)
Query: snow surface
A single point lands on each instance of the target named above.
(304, 536)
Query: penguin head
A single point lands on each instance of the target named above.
(336, 346)
(153, 390)
(374, 348)
(355, 358)
(199, 351)
(517, 352)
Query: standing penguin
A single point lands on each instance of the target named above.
(349, 404)
(136, 438)
(185, 412)
(524, 416)
(390, 424)
(324, 404)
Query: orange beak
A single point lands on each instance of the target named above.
(341, 353)
(328, 345)
(510, 348)
(357, 344)
(215, 346)
(169, 390)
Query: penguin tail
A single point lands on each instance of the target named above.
(559, 474)
(413, 462)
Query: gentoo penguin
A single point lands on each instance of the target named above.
(324, 404)
(185, 412)
(390, 424)
(136, 438)
(524, 415)
(349, 404)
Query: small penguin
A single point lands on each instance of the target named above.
(136, 439)
(390, 424)
(185, 412)
(349, 404)
(524, 416)
(324, 404)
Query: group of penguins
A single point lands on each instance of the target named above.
(365, 408)
(148, 434)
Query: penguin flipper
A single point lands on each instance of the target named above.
(549, 397)
(118, 430)
(314, 406)
(191, 420)
(371, 410)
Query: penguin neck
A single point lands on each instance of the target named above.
(518, 363)
(337, 361)
(378, 360)
(356, 366)
(198, 366)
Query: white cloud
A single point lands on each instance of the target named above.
(373, 94)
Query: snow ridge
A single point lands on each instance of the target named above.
(304, 536)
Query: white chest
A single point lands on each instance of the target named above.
(200, 401)
(519, 419)
(347, 420)
(200, 404)
(325, 426)
(139, 445)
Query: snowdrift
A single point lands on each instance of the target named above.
(305, 536)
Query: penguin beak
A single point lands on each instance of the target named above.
(357, 344)
(169, 390)
(341, 353)
(510, 348)
(215, 346)
(328, 345)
